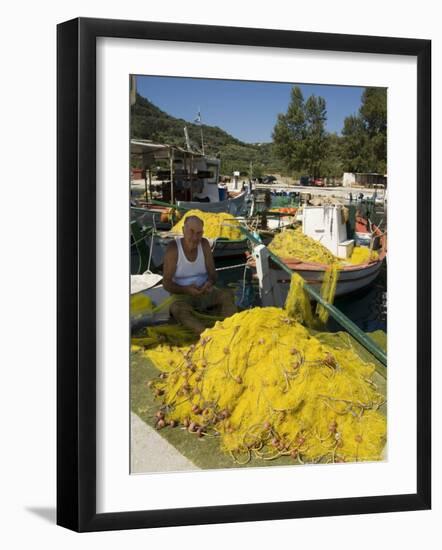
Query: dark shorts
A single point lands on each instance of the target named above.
(206, 301)
(219, 302)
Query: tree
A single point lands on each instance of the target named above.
(365, 135)
(355, 145)
(332, 165)
(316, 138)
(299, 136)
(290, 131)
(373, 110)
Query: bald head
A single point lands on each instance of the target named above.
(193, 220)
(193, 230)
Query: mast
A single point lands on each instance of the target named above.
(186, 135)
(202, 140)
(198, 121)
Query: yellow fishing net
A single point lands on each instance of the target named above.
(297, 304)
(362, 255)
(155, 334)
(292, 243)
(175, 335)
(141, 304)
(266, 387)
(216, 225)
(328, 290)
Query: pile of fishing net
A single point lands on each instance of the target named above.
(292, 243)
(267, 387)
(216, 225)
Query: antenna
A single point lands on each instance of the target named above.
(198, 121)
(186, 135)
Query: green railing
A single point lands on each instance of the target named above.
(168, 205)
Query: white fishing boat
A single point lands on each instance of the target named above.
(325, 224)
(221, 248)
(177, 177)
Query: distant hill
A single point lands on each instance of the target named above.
(150, 122)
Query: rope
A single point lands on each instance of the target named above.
(151, 244)
(230, 267)
(150, 249)
(245, 266)
(141, 239)
(243, 283)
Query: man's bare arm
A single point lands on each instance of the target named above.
(210, 263)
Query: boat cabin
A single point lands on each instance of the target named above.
(173, 174)
(328, 225)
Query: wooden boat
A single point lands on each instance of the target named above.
(364, 233)
(192, 181)
(280, 217)
(222, 248)
(351, 277)
(231, 205)
(162, 217)
(152, 215)
(274, 281)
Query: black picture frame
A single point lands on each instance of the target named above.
(76, 274)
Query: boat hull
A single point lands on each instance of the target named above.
(158, 217)
(221, 248)
(350, 279)
(231, 205)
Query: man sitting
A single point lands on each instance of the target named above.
(189, 273)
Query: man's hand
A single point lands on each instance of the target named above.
(207, 287)
(193, 290)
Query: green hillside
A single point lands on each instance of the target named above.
(150, 122)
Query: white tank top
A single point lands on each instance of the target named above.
(190, 273)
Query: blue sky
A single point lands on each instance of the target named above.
(246, 110)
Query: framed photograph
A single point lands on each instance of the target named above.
(225, 199)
